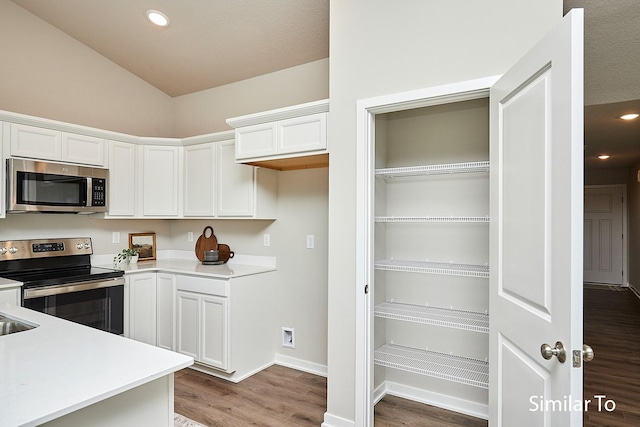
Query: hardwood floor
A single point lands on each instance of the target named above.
(280, 396)
(612, 329)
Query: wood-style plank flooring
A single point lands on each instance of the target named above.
(280, 396)
(612, 329)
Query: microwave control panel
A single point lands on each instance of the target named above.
(99, 192)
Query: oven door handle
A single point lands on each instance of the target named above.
(72, 287)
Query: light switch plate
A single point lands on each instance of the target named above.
(310, 241)
(115, 237)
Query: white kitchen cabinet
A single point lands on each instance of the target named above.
(11, 295)
(236, 192)
(302, 134)
(123, 181)
(227, 326)
(202, 328)
(166, 302)
(214, 334)
(188, 324)
(142, 307)
(284, 139)
(200, 180)
(161, 183)
(49, 144)
(83, 149)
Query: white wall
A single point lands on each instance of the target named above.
(206, 111)
(379, 47)
(46, 73)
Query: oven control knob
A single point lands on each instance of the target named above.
(13, 250)
(78, 245)
(87, 245)
(3, 250)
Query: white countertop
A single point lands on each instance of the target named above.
(240, 265)
(60, 367)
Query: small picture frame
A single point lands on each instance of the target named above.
(144, 244)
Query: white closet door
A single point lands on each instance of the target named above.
(536, 236)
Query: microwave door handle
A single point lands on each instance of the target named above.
(89, 199)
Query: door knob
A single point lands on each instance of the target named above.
(587, 353)
(548, 352)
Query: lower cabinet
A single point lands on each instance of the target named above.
(202, 328)
(11, 295)
(151, 308)
(166, 310)
(142, 307)
(226, 324)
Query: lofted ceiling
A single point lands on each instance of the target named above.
(210, 43)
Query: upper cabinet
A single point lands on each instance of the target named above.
(215, 186)
(153, 177)
(122, 179)
(48, 144)
(284, 139)
(161, 183)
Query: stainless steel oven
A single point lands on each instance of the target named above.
(34, 186)
(99, 303)
(58, 279)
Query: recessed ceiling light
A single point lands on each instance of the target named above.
(603, 157)
(158, 18)
(630, 116)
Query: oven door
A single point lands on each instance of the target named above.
(98, 304)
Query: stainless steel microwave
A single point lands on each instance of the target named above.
(34, 186)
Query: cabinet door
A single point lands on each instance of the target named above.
(255, 141)
(82, 149)
(300, 134)
(35, 142)
(166, 291)
(160, 185)
(10, 295)
(199, 180)
(236, 186)
(142, 307)
(187, 323)
(122, 179)
(214, 333)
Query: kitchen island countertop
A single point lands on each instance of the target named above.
(60, 367)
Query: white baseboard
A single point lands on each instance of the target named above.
(301, 365)
(462, 406)
(335, 421)
(226, 376)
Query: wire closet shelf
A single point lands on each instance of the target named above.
(449, 367)
(426, 170)
(429, 267)
(431, 315)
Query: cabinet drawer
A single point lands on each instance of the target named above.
(203, 285)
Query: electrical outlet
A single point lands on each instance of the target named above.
(310, 241)
(115, 237)
(190, 236)
(267, 239)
